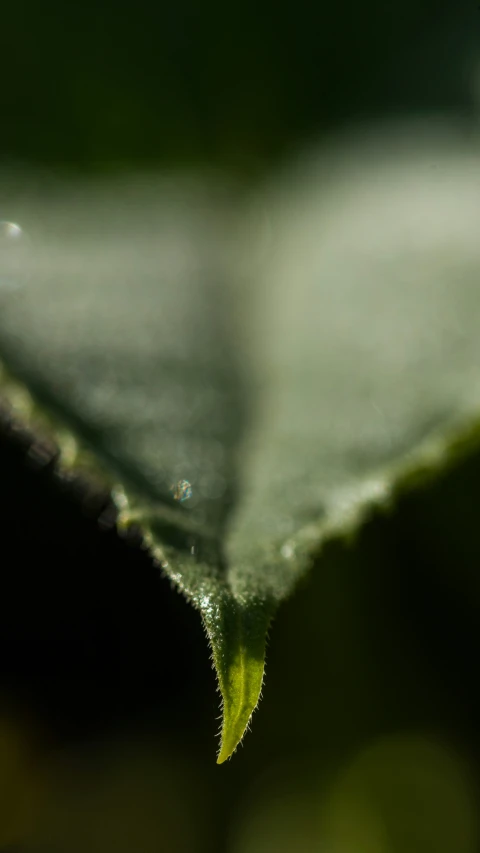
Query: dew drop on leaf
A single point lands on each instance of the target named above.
(14, 256)
(182, 491)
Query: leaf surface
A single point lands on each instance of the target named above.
(251, 379)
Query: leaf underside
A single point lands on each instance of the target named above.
(249, 387)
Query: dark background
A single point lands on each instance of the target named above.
(104, 84)
(94, 645)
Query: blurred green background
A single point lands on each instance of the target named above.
(104, 84)
(367, 739)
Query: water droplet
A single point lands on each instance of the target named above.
(182, 491)
(14, 256)
(287, 551)
(11, 231)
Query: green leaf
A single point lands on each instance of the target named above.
(250, 380)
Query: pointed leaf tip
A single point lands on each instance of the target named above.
(241, 692)
(237, 635)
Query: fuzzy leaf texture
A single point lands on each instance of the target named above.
(250, 377)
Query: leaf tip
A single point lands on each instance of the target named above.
(237, 636)
(224, 754)
(239, 702)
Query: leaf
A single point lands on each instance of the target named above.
(251, 379)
